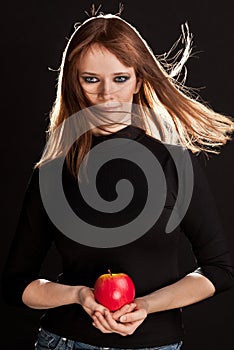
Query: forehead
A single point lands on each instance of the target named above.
(98, 58)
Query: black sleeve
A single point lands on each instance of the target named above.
(30, 244)
(203, 227)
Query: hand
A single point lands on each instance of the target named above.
(87, 301)
(124, 321)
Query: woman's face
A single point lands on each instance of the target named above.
(107, 83)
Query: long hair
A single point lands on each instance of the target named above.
(168, 107)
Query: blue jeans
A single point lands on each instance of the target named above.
(47, 340)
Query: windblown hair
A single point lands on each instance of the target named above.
(169, 110)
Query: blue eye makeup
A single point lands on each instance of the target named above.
(90, 80)
(118, 79)
(121, 79)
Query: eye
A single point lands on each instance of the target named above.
(121, 79)
(90, 80)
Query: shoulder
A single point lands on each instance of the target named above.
(167, 152)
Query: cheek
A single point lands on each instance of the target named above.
(127, 95)
(89, 96)
(127, 92)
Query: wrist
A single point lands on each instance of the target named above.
(151, 302)
(76, 294)
(144, 302)
(79, 294)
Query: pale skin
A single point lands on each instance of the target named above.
(108, 85)
(106, 81)
(44, 294)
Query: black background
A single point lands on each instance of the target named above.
(33, 35)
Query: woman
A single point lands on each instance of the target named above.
(116, 88)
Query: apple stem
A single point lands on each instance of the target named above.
(110, 272)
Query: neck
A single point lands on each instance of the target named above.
(109, 129)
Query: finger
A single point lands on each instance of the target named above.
(123, 329)
(117, 314)
(90, 303)
(102, 321)
(116, 326)
(98, 324)
(98, 307)
(93, 307)
(126, 308)
(134, 316)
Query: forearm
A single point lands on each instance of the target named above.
(44, 294)
(192, 288)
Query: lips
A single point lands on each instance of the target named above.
(108, 107)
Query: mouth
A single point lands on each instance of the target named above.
(109, 107)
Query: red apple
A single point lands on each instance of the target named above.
(114, 290)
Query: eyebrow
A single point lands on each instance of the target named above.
(119, 73)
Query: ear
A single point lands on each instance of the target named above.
(138, 85)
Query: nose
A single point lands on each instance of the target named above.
(106, 89)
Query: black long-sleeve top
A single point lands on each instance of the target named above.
(151, 259)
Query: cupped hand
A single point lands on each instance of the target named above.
(87, 301)
(123, 321)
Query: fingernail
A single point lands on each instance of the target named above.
(123, 318)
